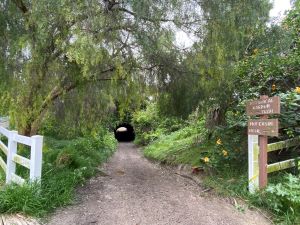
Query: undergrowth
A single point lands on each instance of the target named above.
(280, 198)
(179, 147)
(149, 125)
(224, 159)
(66, 164)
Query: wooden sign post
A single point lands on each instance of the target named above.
(263, 127)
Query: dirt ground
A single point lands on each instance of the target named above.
(135, 191)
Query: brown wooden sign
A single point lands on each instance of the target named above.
(264, 106)
(266, 127)
(263, 127)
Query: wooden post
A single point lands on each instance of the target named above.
(263, 127)
(263, 155)
(253, 166)
(12, 149)
(36, 158)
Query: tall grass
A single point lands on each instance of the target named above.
(66, 164)
(179, 147)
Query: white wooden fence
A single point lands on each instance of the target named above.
(253, 156)
(253, 168)
(34, 164)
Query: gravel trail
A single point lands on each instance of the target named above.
(139, 192)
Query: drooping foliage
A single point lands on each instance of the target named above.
(205, 75)
(56, 47)
(52, 49)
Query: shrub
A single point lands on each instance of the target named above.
(284, 197)
(290, 113)
(225, 150)
(150, 125)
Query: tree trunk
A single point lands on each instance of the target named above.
(26, 130)
(216, 117)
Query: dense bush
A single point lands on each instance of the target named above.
(68, 127)
(290, 113)
(226, 150)
(284, 198)
(149, 124)
(229, 142)
(66, 164)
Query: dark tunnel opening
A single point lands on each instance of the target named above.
(124, 133)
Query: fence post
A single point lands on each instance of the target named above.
(12, 149)
(253, 166)
(36, 158)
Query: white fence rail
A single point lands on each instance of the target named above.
(253, 159)
(34, 164)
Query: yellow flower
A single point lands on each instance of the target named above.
(225, 153)
(206, 159)
(219, 142)
(273, 87)
(255, 51)
(297, 90)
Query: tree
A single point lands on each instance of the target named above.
(56, 46)
(230, 29)
(203, 76)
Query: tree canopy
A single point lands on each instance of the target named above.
(124, 51)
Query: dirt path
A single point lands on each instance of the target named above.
(138, 192)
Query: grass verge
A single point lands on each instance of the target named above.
(66, 164)
(228, 176)
(179, 147)
(280, 199)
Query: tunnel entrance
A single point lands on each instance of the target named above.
(124, 133)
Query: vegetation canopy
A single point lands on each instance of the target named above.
(74, 70)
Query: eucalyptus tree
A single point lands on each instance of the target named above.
(51, 48)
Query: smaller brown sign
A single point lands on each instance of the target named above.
(264, 106)
(266, 127)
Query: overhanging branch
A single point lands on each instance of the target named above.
(57, 91)
(143, 17)
(20, 4)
